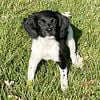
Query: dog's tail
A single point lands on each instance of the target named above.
(67, 14)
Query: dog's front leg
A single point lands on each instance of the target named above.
(33, 62)
(63, 73)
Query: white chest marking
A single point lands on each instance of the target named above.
(46, 48)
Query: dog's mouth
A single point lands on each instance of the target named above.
(46, 33)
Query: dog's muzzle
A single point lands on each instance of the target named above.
(49, 32)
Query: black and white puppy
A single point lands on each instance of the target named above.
(50, 31)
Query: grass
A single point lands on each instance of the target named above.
(15, 50)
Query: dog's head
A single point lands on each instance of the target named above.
(46, 23)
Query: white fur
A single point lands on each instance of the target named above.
(42, 48)
(46, 48)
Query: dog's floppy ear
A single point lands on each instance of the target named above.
(63, 25)
(30, 25)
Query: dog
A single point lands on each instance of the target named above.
(50, 32)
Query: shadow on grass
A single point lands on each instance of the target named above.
(77, 34)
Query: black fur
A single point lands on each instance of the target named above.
(39, 23)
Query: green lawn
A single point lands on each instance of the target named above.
(15, 49)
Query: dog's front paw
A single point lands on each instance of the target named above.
(64, 85)
(67, 14)
(28, 84)
(78, 61)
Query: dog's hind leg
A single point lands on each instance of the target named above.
(75, 57)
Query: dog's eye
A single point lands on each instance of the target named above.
(53, 21)
(41, 22)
